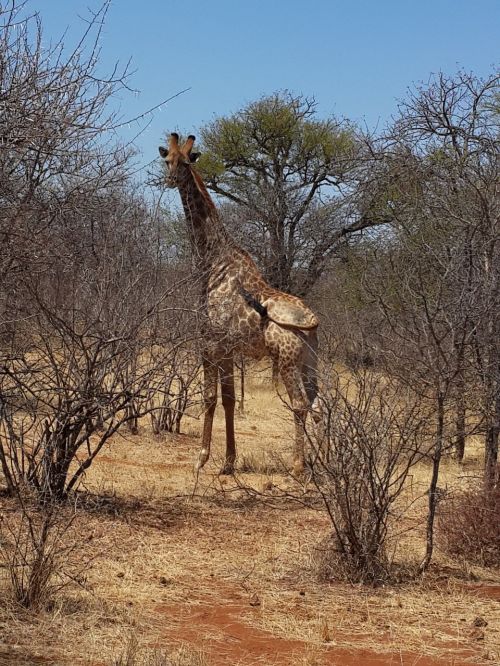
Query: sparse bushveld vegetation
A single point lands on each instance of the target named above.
(92, 321)
(389, 541)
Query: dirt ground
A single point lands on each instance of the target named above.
(211, 573)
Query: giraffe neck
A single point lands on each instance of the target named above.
(207, 234)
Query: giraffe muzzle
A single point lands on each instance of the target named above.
(171, 182)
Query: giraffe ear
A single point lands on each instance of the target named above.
(194, 157)
(163, 151)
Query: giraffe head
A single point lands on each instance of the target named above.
(178, 158)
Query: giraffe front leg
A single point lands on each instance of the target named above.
(228, 402)
(210, 402)
(299, 416)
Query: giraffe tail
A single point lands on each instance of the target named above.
(310, 368)
(310, 379)
(253, 302)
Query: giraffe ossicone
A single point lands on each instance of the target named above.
(243, 313)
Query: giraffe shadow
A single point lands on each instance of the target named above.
(161, 514)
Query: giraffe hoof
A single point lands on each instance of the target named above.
(202, 459)
(227, 469)
(298, 468)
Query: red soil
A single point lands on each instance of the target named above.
(228, 640)
(485, 591)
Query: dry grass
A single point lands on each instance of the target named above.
(227, 577)
(134, 655)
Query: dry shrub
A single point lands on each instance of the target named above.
(176, 394)
(329, 563)
(469, 526)
(370, 439)
(40, 554)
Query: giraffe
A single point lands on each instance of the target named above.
(242, 313)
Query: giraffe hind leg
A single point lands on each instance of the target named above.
(292, 378)
(228, 402)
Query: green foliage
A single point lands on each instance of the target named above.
(276, 135)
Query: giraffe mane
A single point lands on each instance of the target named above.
(203, 189)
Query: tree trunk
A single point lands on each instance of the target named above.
(433, 496)
(491, 444)
(460, 421)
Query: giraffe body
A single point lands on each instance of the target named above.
(241, 313)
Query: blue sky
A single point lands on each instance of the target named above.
(356, 57)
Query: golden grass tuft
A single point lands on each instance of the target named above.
(136, 655)
(260, 462)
